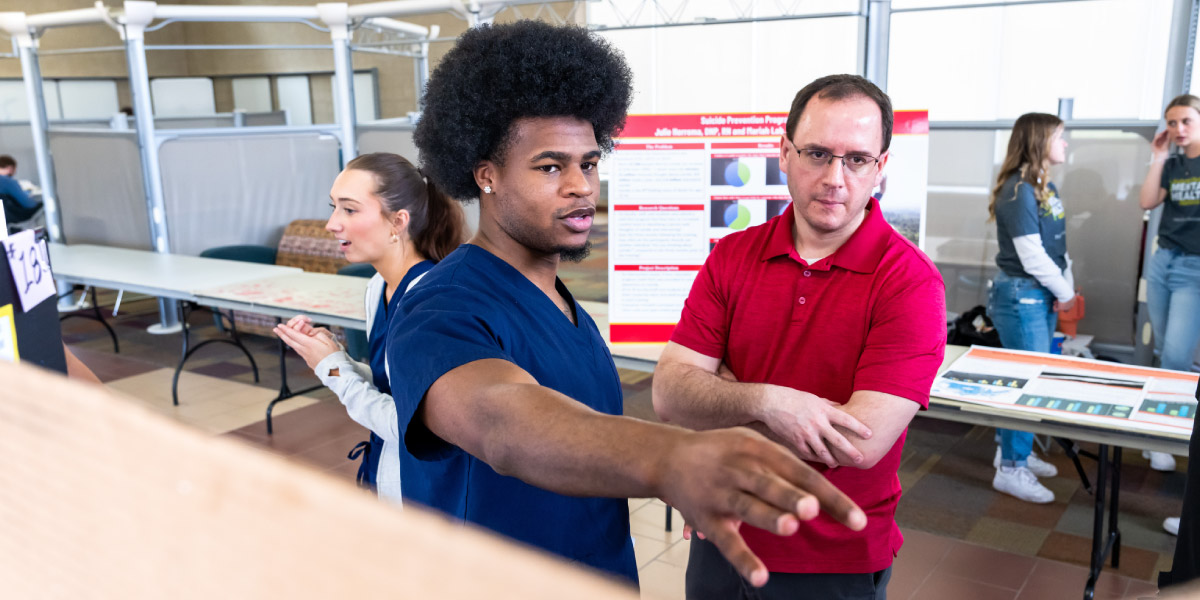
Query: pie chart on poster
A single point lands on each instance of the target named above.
(737, 173)
(737, 216)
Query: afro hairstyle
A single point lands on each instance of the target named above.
(497, 74)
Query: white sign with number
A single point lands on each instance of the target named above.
(29, 261)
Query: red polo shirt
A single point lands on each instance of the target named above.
(872, 316)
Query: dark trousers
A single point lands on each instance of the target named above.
(15, 213)
(711, 577)
(1186, 566)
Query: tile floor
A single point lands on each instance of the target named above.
(963, 539)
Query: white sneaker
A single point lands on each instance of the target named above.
(1171, 525)
(1022, 483)
(1160, 461)
(1038, 466)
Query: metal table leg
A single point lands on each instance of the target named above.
(189, 350)
(1105, 544)
(285, 392)
(95, 316)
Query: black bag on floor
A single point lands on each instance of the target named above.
(973, 328)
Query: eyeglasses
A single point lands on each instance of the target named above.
(855, 163)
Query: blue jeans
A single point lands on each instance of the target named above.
(1173, 300)
(1023, 313)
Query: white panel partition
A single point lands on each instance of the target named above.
(365, 107)
(244, 189)
(16, 140)
(1099, 185)
(252, 94)
(295, 97)
(261, 119)
(87, 98)
(13, 106)
(397, 138)
(100, 192)
(394, 138)
(183, 96)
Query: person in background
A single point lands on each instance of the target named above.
(1185, 568)
(824, 328)
(1034, 281)
(1173, 271)
(509, 404)
(386, 213)
(18, 206)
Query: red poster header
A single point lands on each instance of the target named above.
(905, 122)
(911, 122)
(640, 332)
(658, 207)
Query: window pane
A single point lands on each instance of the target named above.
(757, 66)
(617, 13)
(1000, 62)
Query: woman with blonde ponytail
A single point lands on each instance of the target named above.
(386, 213)
(1034, 281)
(1173, 271)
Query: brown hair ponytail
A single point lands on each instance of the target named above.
(436, 223)
(445, 226)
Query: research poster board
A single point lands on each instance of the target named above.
(29, 329)
(680, 183)
(1078, 389)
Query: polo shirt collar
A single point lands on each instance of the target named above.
(860, 253)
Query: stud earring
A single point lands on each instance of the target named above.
(487, 189)
(395, 238)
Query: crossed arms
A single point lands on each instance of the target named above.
(695, 391)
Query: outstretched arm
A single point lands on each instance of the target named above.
(497, 412)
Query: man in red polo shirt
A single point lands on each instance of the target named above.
(823, 328)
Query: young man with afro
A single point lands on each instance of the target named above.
(507, 399)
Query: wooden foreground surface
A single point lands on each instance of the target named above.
(102, 498)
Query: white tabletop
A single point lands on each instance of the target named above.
(169, 275)
(330, 299)
(643, 357)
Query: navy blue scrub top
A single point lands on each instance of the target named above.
(368, 470)
(475, 306)
(377, 342)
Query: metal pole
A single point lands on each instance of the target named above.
(421, 68)
(1180, 46)
(879, 17)
(336, 16)
(39, 126)
(1066, 108)
(143, 117)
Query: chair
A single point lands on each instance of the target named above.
(305, 244)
